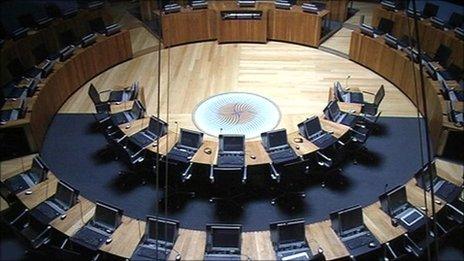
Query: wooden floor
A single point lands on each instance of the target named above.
(340, 41)
(296, 78)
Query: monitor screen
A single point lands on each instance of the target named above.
(385, 25)
(156, 126)
(38, 169)
(277, 138)
(106, 216)
(312, 125)
(226, 237)
(65, 194)
(442, 54)
(350, 218)
(162, 230)
(334, 110)
(40, 52)
(396, 198)
(291, 232)
(67, 37)
(97, 24)
(190, 138)
(233, 143)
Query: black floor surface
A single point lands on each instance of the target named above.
(71, 151)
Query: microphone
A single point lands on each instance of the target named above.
(177, 128)
(346, 82)
(385, 188)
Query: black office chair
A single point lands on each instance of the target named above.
(385, 26)
(441, 55)
(57, 205)
(223, 242)
(289, 241)
(136, 112)
(372, 108)
(158, 240)
(455, 20)
(127, 94)
(451, 72)
(94, 234)
(346, 96)
(29, 178)
(230, 171)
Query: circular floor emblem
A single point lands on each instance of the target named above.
(236, 113)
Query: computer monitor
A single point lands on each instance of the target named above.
(425, 175)
(157, 126)
(225, 236)
(310, 126)
(232, 143)
(38, 169)
(277, 138)
(66, 194)
(394, 199)
(291, 231)
(350, 219)
(442, 54)
(162, 229)
(190, 138)
(137, 109)
(334, 110)
(430, 10)
(40, 52)
(107, 216)
(67, 38)
(385, 25)
(97, 24)
(455, 20)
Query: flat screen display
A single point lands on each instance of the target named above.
(350, 219)
(226, 237)
(65, 195)
(334, 110)
(312, 126)
(67, 37)
(396, 198)
(233, 143)
(156, 127)
(291, 232)
(190, 139)
(97, 24)
(106, 216)
(162, 230)
(40, 52)
(277, 138)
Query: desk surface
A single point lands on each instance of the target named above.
(15, 166)
(379, 223)
(125, 238)
(40, 192)
(326, 238)
(76, 217)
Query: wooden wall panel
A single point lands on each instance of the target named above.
(72, 74)
(242, 30)
(397, 67)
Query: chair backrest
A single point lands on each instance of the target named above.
(456, 20)
(38, 170)
(94, 95)
(161, 229)
(66, 194)
(332, 111)
(103, 108)
(231, 143)
(220, 237)
(379, 95)
(157, 127)
(137, 110)
(338, 91)
(107, 216)
(393, 199)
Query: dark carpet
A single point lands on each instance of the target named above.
(71, 151)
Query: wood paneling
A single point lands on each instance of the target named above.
(242, 30)
(71, 74)
(376, 55)
(295, 26)
(338, 9)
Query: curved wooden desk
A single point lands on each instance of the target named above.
(430, 36)
(293, 25)
(70, 75)
(191, 243)
(395, 66)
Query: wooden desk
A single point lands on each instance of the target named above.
(70, 75)
(326, 238)
(256, 149)
(374, 54)
(40, 192)
(125, 238)
(379, 223)
(190, 244)
(416, 197)
(449, 171)
(338, 9)
(246, 30)
(10, 168)
(301, 148)
(201, 157)
(258, 245)
(189, 26)
(296, 26)
(76, 217)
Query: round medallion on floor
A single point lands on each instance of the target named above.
(236, 113)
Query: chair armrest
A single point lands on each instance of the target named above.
(12, 223)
